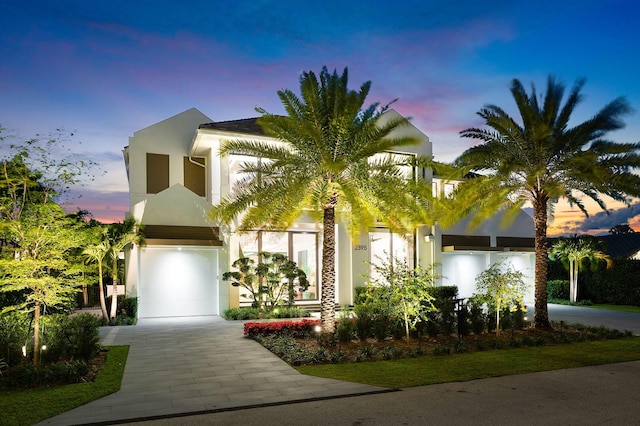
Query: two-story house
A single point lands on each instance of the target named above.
(176, 174)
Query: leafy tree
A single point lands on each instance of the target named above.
(573, 252)
(622, 228)
(40, 265)
(408, 288)
(501, 287)
(333, 159)
(39, 241)
(543, 159)
(269, 281)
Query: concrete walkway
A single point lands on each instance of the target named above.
(193, 370)
(198, 364)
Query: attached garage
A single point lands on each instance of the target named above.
(178, 281)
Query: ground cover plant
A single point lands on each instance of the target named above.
(18, 407)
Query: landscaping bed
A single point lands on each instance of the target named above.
(297, 344)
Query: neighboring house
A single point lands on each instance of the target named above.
(622, 246)
(175, 176)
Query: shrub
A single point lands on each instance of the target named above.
(13, 327)
(246, 313)
(346, 330)
(477, 318)
(292, 328)
(28, 376)
(72, 337)
(128, 305)
(558, 289)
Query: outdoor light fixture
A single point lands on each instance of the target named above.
(44, 347)
(318, 329)
(24, 351)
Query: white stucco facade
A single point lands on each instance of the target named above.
(178, 271)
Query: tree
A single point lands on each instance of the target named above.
(118, 237)
(573, 252)
(269, 281)
(40, 263)
(622, 228)
(333, 159)
(39, 241)
(501, 287)
(409, 290)
(543, 159)
(97, 253)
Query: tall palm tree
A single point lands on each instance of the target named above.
(331, 161)
(542, 159)
(96, 253)
(574, 251)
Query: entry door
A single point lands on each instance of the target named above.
(178, 281)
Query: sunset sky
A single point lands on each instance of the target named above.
(105, 69)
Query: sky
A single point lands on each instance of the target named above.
(105, 69)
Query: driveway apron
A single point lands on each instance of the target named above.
(194, 365)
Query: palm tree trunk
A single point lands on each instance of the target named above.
(572, 282)
(36, 335)
(114, 295)
(541, 314)
(328, 293)
(103, 303)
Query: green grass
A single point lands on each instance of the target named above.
(621, 308)
(478, 365)
(26, 407)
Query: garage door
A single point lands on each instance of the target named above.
(177, 282)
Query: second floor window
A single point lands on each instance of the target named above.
(195, 175)
(157, 173)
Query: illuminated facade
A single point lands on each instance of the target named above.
(176, 175)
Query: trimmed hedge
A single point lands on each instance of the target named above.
(295, 328)
(618, 285)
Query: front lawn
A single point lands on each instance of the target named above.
(30, 406)
(429, 370)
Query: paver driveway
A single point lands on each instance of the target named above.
(198, 364)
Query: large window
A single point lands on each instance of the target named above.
(385, 246)
(301, 247)
(157, 173)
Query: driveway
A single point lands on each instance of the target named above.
(198, 364)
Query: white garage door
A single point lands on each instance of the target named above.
(177, 282)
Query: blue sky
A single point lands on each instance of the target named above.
(105, 69)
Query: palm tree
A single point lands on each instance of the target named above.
(543, 159)
(331, 160)
(118, 237)
(96, 253)
(575, 251)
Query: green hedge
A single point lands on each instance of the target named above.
(618, 285)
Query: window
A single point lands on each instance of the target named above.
(301, 247)
(402, 162)
(195, 175)
(385, 246)
(157, 173)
